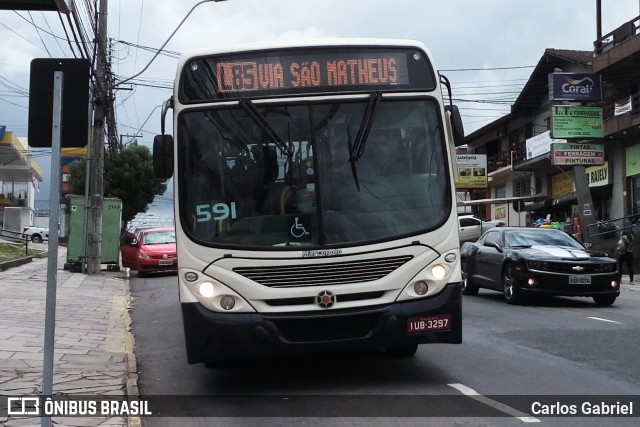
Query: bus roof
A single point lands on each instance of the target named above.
(285, 44)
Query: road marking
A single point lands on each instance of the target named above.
(605, 320)
(526, 418)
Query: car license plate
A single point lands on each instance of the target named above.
(437, 322)
(580, 280)
(165, 262)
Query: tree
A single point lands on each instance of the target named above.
(128, 176)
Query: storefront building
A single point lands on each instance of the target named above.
(520, 157)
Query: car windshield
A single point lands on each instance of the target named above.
(159, 237)
(295, 181)
(534, 236)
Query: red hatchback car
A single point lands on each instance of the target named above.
(150, 250)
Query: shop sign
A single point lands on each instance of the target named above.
(632, 160)
(572, 121)
(562, 184)
(598, 176)
(575, 87)
(577, 154)
(540, 144)
(621, 107)
(500, 211)
(472, 171)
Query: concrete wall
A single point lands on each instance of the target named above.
(16, 218)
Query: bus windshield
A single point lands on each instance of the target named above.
(277, 175)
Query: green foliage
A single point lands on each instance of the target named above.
(128, 176)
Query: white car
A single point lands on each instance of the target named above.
(472, 227)
(36, 234)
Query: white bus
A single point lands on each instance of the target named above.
(314, 199)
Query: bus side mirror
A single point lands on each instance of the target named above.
(456, 125)
(163, 156)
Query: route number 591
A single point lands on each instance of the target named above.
(216, 211)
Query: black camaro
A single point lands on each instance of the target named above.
(519, 261)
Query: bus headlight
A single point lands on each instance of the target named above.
(438, 271)
(206, 289)
(420, 288)
(190, 276)
(432, 279)
(212, 294)
(227, 302)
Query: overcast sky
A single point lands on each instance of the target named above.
(488, 48)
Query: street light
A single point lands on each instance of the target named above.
(165, 43)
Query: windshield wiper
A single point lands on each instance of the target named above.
(365, 127)
(356, 150)
(264, 125)
(352, 160)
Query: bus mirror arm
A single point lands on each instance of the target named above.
(454, 115)
(165, 107)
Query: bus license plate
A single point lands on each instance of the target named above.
(165, 262)
(437, 322)
(580, 280)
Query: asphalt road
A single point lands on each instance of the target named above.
(546, 351)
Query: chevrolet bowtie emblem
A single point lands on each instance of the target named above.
(577, 268)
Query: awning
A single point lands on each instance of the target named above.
(17, 162)
(567, 198)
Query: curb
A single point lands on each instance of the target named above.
(21, 261)
(15, 263)
(132, 363)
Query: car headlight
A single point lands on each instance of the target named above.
(538, 265)
(143, 255)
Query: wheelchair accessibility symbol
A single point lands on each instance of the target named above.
(300, 227)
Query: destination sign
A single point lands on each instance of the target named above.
(269, 73)
(239, 76)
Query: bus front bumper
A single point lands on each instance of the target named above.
(212, 336)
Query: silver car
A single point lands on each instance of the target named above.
(472, 227)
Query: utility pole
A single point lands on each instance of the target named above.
(128, 136)
(96, 161)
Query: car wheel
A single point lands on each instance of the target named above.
(36, 238)
(511, 292)
(604, 299)
(468, 288)
(402, 350)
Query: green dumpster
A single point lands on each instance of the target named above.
(111, 227)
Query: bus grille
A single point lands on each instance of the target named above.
(288, 276)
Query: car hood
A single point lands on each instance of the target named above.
(560, 252)
(163, 248)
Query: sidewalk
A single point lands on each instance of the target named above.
(93, 341)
